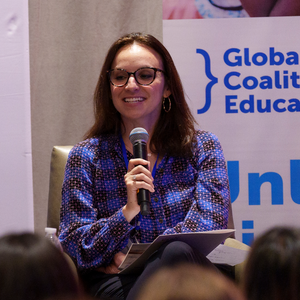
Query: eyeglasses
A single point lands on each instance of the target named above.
(235, 8)
(143, 76)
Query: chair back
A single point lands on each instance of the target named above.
(59, 158)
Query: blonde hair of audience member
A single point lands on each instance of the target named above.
(272, 270)
(31, 267)
(189, 282)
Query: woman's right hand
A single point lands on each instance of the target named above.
(137, 177)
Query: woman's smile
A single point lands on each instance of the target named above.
(133, 99)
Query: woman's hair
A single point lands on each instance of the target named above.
(189, 282)
(174, 131)
(272, 270)
(31, 267)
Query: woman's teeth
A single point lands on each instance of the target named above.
(133, 99)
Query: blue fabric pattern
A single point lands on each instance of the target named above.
(191, 194)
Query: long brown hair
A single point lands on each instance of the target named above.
(174, 131)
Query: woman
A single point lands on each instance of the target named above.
(273, 267)
(139, 87)
(31, 267)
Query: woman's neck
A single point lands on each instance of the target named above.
(128, 127)
(152, 157)
(125, 135)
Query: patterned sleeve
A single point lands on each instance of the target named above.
(89, 241)
(210, 206)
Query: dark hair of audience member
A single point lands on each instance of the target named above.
(189, 282)
(31, 267)
(272, 270)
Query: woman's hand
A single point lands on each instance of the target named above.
(137, 177)
(112, 268)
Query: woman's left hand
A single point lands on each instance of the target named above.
(112, 268)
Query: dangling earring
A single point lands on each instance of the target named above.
(169, 105)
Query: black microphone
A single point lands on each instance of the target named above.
(139, 137)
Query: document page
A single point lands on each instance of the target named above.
(204, 242)
(227, 255)
(134, 252)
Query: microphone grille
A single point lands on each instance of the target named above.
(137, 134)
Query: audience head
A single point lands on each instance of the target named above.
(272, 269)
(189, 282)
(31, 267)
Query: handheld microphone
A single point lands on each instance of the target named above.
(139, 137)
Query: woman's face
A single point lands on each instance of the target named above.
(137, 104)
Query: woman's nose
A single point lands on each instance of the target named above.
(132, 83)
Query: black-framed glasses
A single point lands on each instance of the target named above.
(235, 8)
(143, 76)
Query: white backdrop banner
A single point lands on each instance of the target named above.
(16, 192)
(242, 80)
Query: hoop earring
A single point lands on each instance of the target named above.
(169, 105)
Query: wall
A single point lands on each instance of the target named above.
(16, 202)
(68, 42)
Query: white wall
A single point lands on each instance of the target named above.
(16, 192)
